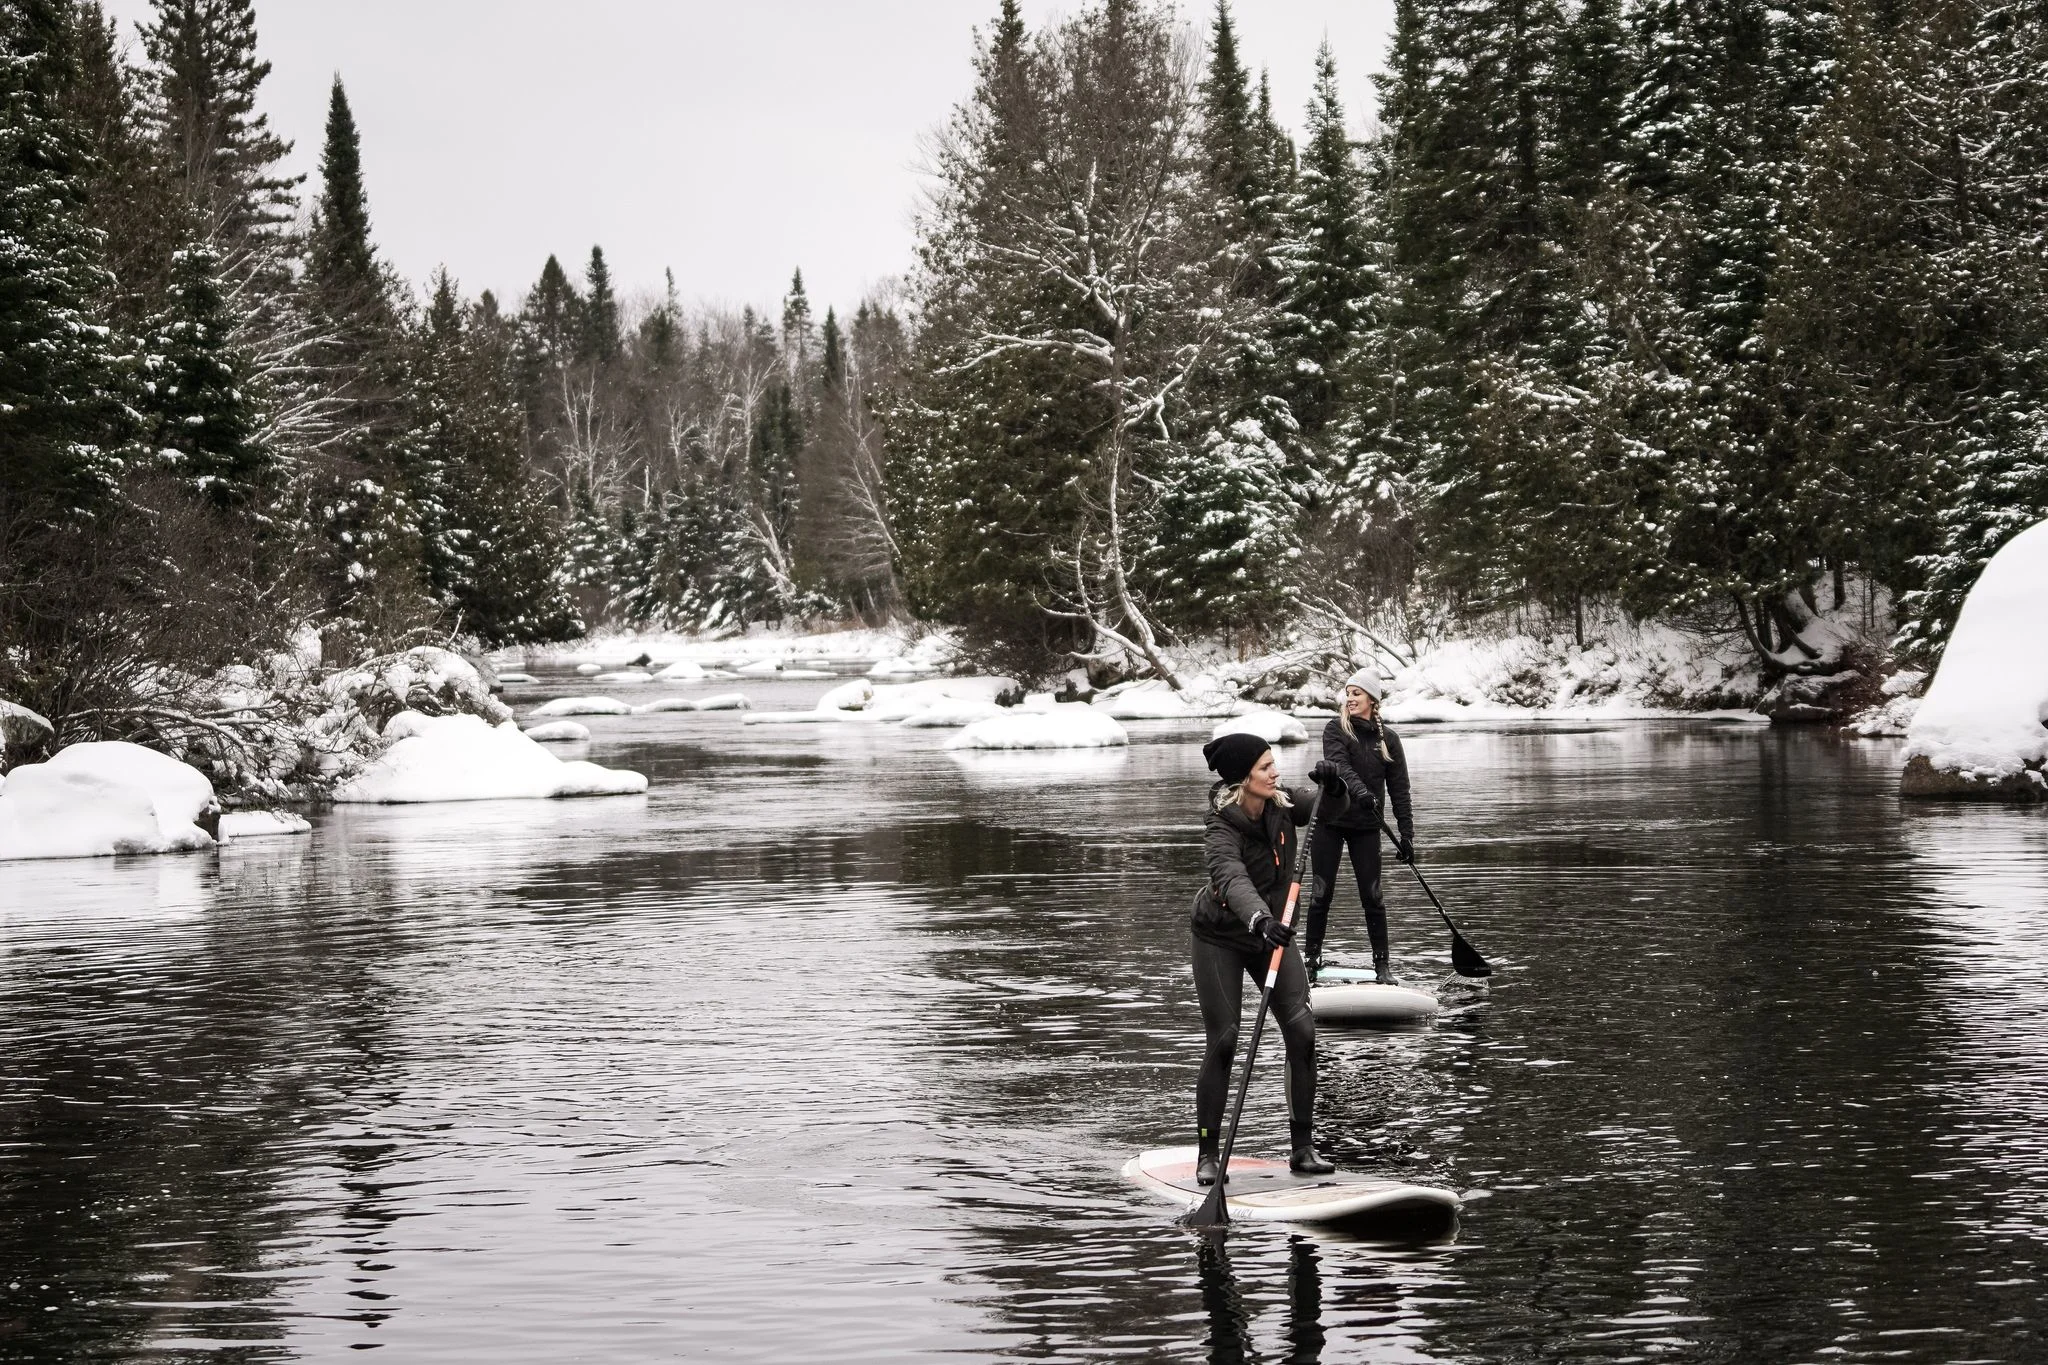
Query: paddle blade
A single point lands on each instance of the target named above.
(1465, 959)
(1214, 1212)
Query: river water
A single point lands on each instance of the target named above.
(830, 1047)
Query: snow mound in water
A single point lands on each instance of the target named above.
(583, 706)
(794, 718)
(665, 704)
(96, 800)
(900, 701)
(1069, 726)
(464, 758)
(515, 677)
(261, 824)
(559, 732)
(952, 715)
(853, 696)
(1154, 700)
(725, 701)
(682, 670)
(1275, 727)
(589, 670)
(630, 678)
(1985, 716)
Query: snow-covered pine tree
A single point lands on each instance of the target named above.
(196, 394)
(62, 419)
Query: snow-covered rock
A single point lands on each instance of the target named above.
(590, 670)
(1275, 727)
(1982, 729)
(583, 706)
(758, 668)
(515, 677)
(952, 715)
(559, 732)
(682, 670)
(630, 678)
(1154, 700)
(96, 800)
(1069, 726)
(462, 758)
(853, 696)
(22, 730)
(654, 708)
(794, 718)
(237, 825)
(725, 701)
(900, 701)
(898, 667)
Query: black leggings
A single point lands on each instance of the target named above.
(1220, 973)
(1324, 851)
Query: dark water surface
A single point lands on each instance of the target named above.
(830, 1047)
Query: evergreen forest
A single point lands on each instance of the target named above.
(1693, 310)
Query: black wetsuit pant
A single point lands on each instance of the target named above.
(1220, 974)
(1324, 852)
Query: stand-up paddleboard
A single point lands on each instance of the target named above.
(1347, 995)
(1266, 1191)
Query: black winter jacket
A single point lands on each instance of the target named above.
(1250, 864)
(1356, 760)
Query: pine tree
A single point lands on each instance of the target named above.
(196, 395)
(1230, 150)
(128, 198)
(661, 340)
(832, 361)
(600, 313)
(202, 109)
(796, 331)
(62, 422)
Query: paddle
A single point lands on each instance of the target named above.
(1215, 1211)
(1465, 959)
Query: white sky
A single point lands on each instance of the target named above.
(731, 140)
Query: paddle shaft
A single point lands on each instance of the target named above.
(1216, 1209)
(1456, 937)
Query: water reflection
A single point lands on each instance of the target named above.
(832, 1044)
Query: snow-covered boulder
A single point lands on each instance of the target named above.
(900, 701)
(513, 677)
(1275, 727)
(682, 670)
(758, 668)
(583, 706)
(898, 667)
(654, 708)
(1981, 732)
(590, 670)
(725, 701)
(463, 758)
(630, 678)
(558, 732)
(96, 800)
(1154, 700)
(794, 718)
(1069, 726)
(22, 731)
(853, 696)
(952, 715)
(238, 825)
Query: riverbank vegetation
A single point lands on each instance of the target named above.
(1731, 318)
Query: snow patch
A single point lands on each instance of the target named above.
(630, 678)
(952, 715)
(559, 732)
(725, 701)
(583, 706)
(853, 696)
(1985, 715)
(682, 670)
(1070, 726)
(464, 758)
(794, 718)
(654, 708)
(237, 825)
(590, 670)
(1154, 700)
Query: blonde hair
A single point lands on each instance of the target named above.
(1234, 795)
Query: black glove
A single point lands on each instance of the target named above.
(1404, 848)
(1276, 934)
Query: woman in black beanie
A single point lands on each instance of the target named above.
(1248, 843)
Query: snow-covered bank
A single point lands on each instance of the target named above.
(760, 651)
(464, 758)
(1058, 727)
(1981, 732)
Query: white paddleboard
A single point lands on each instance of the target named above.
(1266, 1191)
(1347, 995)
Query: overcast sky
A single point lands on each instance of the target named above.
(730, 140)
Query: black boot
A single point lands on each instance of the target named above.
(1313, 961)
(1306, 1162)
(1382, 974)
(1205, 1168)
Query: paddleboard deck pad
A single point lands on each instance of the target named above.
(1266, 1191)
(1347, 995)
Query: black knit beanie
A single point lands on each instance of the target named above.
(1233, 756)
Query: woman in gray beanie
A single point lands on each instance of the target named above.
(1363, 755)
